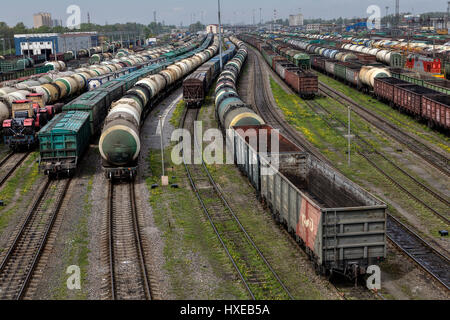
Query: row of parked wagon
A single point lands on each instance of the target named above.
(291, 65)
(120, 142)
(196, 86)
(340, 225)
(231, 110)
(425, 98)
(65, 139)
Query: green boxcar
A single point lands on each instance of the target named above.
(411, 79)
(63, 141)
(340, 71)
(43, 69)
(303, 61)
(397, 60)
(440, 85)
(115, 88)
(96, 104)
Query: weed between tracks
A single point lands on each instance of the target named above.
(177, 114)
(17, 189)
(77, 247)
(407, 123)
(334, 146)
(195, 261)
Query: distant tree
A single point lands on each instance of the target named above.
(20, 28)
(196, 27)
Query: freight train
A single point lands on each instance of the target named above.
(430, 95)
(64, 140)
(28, 117)
(120, 143)
(293, 66)
(341, 226)
(230, 109)
(196, 86)
(69, 84)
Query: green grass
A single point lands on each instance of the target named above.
(188, 235)
(17, 188)
(77, 251)
(177, 114)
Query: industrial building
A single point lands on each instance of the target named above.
(313, 27)
(49, 43)
(42, 19)
(57, 23)
(296, 20)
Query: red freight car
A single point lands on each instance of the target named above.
(194, 88)
(306, 84)
(435, 109)
(318, 62)
(366, 58)
(409, 98)
(384, 87)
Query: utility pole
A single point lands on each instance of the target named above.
(447, 16)
(260, 16)
(387, 15)
(164, 178)
(349, 136)
(397, 13)
(220, 36)
(254, 17)
(154, 16)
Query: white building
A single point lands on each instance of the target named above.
(296, 20)
(213, 28)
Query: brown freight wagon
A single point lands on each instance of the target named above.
(277, 60)
(341, 226)
(282, 66)
(366, 58)
(384, 87)
(436, 109)
(306, 84)
(409, 98)
(318, 62)
(194, 89)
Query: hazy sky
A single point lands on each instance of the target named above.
(177, 11)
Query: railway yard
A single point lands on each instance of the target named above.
(330, 162)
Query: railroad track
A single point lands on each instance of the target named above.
(436, 159)
(416, 248)
(403, 237)
(18, 265)
(376, 159)
(128, 274)
(254, 270)
(9, 164)
(271, 116)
